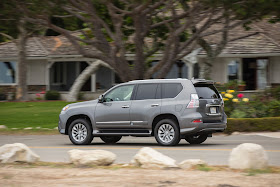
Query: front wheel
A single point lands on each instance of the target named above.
(80, 132)
(192, 139)
(110, 139)
(167, 132)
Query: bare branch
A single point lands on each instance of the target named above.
(7, 36)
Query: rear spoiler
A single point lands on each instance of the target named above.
(202, 81)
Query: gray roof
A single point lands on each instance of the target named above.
(262, 38)
(41, 47)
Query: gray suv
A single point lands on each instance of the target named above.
(168, 109)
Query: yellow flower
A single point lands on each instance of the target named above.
(235, 100)
(245, 99)
(230, 91)
(223, 92)
(225, 99)
(228, 95)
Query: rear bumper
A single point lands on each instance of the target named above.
(205, 128)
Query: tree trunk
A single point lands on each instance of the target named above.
(21, 93)
(208, 67)
(82, 78)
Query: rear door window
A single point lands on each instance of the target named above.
(171, 90)
(146, 91)
(206, 91)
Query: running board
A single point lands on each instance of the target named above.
(119, 133)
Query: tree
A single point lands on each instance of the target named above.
(143, 28)
(11, 16)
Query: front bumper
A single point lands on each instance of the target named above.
(62, 123)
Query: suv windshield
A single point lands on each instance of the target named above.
(206, 91)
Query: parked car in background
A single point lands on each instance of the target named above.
(168, 109)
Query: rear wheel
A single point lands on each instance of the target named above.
(110, 139)
(196, 139)
(80, 132)
(167, 132)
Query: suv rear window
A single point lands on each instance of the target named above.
(206, 91)
(171, 90)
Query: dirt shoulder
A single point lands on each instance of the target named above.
(26, 175)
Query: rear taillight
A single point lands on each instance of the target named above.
(194, 103)
(223, 103)
(197, 121)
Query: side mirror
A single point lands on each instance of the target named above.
(100, 99)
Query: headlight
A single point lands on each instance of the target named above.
(65, 108)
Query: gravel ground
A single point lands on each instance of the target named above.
(49, 176)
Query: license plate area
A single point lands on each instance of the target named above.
(213, 110)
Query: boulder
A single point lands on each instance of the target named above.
(91, 157)
(187, 164)
(17, 152)
(248, 156)
(3, 127)
(150, 158)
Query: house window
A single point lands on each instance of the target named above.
(233, 70)
(58, 76)
(262, 73)
(7, 72)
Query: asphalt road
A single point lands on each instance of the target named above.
(215, 151)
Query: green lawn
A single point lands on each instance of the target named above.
(30, 114)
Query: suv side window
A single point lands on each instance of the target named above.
(121, 93)
(171, 90)
(146, 91)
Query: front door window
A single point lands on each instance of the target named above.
(122, 93)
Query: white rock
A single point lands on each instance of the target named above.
(187, 164)
(56, 128)
(235, 133)
(3, 127)
(14, 128)
(17, 152)
(38, 127)
(248, 156)
(150, 158)
(91, 157)
(28, 128)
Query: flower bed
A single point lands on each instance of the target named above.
(264, 104)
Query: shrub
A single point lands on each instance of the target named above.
(52, 95)
(253, 124)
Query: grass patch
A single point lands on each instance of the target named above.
(30, 114)
(253, 172)
(203, 167)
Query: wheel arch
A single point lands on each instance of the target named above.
(164, 116)
(74, 117)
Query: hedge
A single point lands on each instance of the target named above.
(253, 124)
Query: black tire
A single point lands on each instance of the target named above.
(192, 139)
(86, 127)
(160, 137)
(110, 139)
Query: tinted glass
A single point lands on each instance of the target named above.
(121, 93)
(171, 90)
(146, 91)
(206, 91)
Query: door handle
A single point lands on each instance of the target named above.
(125, 106)
(154, 105)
